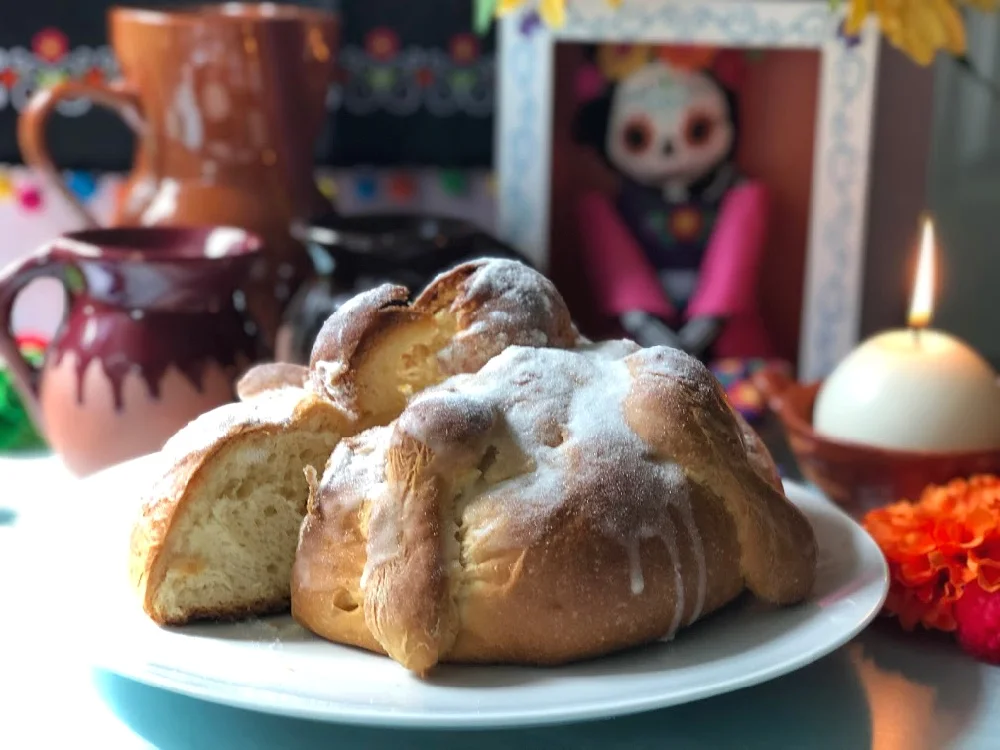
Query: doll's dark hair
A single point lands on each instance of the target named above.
(590, 124)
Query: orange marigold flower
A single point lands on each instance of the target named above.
(936, 546)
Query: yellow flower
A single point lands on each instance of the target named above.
(553, 12)
(617, 61)
(508, 6)
(920, 28)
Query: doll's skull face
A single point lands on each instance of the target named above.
(668, 125)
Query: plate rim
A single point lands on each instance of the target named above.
(283, 703)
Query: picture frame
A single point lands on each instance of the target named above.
(835, 252)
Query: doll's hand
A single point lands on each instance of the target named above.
(648, 330)
(698, 334)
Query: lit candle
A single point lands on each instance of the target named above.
(914, 389)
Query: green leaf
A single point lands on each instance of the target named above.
(482, 15)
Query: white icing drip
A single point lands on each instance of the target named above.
(698, 547)
(670, 541)
(636, 580)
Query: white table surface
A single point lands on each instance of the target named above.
(884, 690)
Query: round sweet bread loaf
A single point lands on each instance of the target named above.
(217, 534)
(557, 504)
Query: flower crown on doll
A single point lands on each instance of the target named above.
(650, 121)
(613, 62)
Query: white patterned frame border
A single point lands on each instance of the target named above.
(838, 213)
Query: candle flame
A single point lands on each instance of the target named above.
(922, 302)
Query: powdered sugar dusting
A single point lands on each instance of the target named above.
(423, 420)
(269, 634)
(514, 286)
(356, 465)
(557, 416)
(511, 304)
(273, 408)
(673, 363)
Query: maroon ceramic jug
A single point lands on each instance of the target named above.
(155, 333)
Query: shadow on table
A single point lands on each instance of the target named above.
(819, 707)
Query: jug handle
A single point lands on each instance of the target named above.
(117, 96)
(50, 261)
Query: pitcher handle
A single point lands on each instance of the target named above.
(117, 96)
(48, 262)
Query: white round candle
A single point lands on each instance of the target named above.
(915, 389)
(912, 390)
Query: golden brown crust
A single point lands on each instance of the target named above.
(184, 458)
(495, 305)
(258, 608)
(463, 319)
(561, 599)
(776, 541)
(351, 336)
(331, 556)
(509, 517)
(563, 502)
(368, 357)
(357, 322)
(270, 377)
(758, 454)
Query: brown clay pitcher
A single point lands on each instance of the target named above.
(155, 333)
(226, 102)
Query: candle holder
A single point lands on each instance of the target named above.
(855, 476)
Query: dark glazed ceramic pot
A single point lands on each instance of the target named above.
(354, 253)
(155, 333)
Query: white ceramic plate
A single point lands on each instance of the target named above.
(274, 666)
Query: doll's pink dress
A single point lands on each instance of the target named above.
(625, 257)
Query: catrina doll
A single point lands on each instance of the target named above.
(673, 258)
